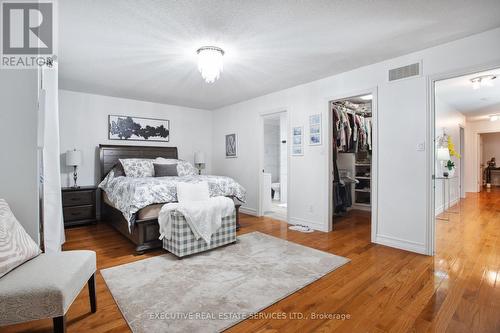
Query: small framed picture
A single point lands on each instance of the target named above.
(297, 150)
(297, 141)
(231, 146)
(315, 129)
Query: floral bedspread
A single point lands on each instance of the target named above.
(129, 195)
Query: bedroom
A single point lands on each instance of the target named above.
(191, 81)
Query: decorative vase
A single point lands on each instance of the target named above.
(451, 172)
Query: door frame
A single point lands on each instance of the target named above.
(430, 242)
(261, 151)
(375, 157)
(461, 131)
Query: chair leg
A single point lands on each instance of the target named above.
(59, 324)
(91, 283)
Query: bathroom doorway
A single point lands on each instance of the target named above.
(274, 168)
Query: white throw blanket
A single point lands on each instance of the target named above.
(203, 217)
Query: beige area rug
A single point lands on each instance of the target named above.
(212, 291)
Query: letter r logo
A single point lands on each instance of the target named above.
(27, 28)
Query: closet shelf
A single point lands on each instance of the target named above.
(362, 164)
(363, 177)
(362, 190)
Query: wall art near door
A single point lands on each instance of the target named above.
(231, 146)
(297, 141)
(315, 129)
(138, 129)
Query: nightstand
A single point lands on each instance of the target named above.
(79, 205)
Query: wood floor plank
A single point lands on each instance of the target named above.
(381, 290)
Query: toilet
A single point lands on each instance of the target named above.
(275, 187)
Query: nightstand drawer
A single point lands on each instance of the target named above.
(78, 198)
(79, 213)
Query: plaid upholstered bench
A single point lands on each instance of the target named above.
(183, 243)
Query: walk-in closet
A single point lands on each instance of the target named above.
(352, 146)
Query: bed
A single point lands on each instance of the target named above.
(137, 218)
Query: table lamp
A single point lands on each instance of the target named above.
(443, 155)
(74, 159)
(199, 161)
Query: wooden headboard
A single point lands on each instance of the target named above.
(110, 154)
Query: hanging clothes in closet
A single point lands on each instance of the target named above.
(351, 133)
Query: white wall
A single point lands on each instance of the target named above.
(84, 125)
(473, 129)
(18, 146)
(402, 119)
(448, 120)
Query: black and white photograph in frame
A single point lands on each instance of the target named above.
(231, 146)
(138, 129)
(297, 141)
(315, 129)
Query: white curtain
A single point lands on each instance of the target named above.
(53, 225)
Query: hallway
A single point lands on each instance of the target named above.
(468, 262)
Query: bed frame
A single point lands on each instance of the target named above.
(144, 233)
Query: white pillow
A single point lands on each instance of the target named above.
(138, 167)
(161, 160)
(16, 246)
(188, 192)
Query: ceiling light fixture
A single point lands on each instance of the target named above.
(367, 97)
(482, 81)
(494, 117)
(210, 62)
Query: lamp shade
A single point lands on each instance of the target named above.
(73, 157)
(199, 158)
(443, 154)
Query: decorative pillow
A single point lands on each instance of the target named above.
(165, 170)
(16, 246)
(118, 170)
(188, 192)
(137, 167)
(185, 168)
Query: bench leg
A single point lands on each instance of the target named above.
(59, 324)
(91, 283)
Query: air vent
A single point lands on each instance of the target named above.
(404, 72)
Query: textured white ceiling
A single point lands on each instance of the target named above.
(146, 49)
(474, 104)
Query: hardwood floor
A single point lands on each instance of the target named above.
(381, 289)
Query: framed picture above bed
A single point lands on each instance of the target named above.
(138, 129)
(231, 146)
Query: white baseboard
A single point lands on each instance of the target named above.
(278, 217)
(310, 223)
(248, 211)
(401, 244)
(360, 207)
(440, 209)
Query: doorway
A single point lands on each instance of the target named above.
(462, 107)
(274, 167)
(489, 154)
(353, 159)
